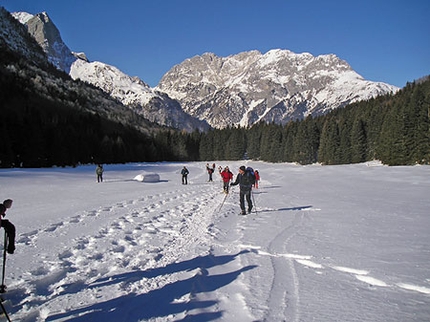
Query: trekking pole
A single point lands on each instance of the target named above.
(225, 198)
(2, 286)
(253, 200)
(4, 311)
(222, 203)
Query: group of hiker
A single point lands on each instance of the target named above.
(247, 178)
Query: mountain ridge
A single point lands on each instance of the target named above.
(207, 90)
(130, 91)
(277, 86)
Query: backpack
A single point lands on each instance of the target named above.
(248, 177)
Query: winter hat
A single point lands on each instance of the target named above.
(242, 168)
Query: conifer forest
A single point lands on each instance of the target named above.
(37, 131)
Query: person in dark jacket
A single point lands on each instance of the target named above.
(99, 172)
(210, 171)
(8, 226)
(185, 173)
(245, 181)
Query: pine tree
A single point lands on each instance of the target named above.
(358, 142)
(253, 141)
(271, 144)
(328, 152)
(206, 146)
(418, 141)
(306, 141)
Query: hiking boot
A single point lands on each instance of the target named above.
(11, 249)
(249, 209)
(243, 213)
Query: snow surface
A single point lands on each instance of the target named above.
(326, 243)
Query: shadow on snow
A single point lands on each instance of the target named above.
(160, 302)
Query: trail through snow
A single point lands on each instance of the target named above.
(341, 243)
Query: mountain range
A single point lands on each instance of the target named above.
(28, 77)
(210, 91)
(277, 86)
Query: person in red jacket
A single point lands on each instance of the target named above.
(226, 176)
(257, 178)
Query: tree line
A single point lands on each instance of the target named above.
(47, 119)
(51, 121)
(392, 128)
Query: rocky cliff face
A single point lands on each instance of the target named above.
(42, 28)
(277, 86)
(14, 36)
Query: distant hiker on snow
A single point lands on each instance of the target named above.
(99, 172)
(210, 171)
(7, 225)
(226, 176)
(185, 173)
(257, 178)
(245, 179)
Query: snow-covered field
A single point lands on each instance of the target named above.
(326, 243)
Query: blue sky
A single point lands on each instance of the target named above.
(382, 40)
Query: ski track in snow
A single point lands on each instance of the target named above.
(308, 262)
(148, 266)
(284, 300)
(128, 238)
(361, 275)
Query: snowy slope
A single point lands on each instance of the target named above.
(113, 81)
(326, 243)
(137, 95)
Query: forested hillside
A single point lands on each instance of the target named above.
(37, 132)
(48, 119)
(392, 128)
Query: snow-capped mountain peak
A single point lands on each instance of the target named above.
(41, 27)
(276, 86)
(22, 17)
(241, 89)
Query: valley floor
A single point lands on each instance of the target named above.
(325, 243)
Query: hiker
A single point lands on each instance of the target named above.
(226, 176)
(210, 171)
(7, 225)
(99, 172)
(245, 179)
(257, 178)
(184, 173)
